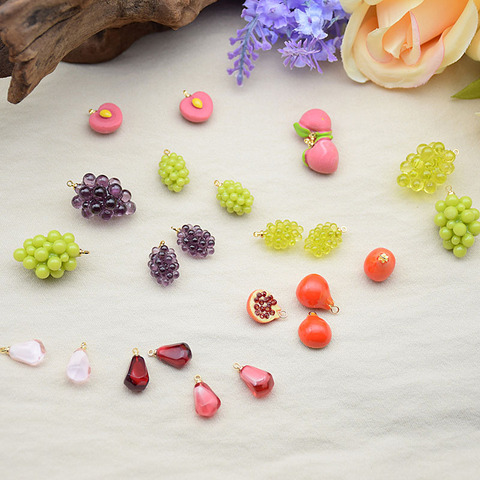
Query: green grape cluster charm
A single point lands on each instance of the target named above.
(173, 171)
(323, 239)
(458, 223)
(234, 197)
(52, 255)
(281, 234)
(427, 168)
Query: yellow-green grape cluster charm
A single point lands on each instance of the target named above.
(49, 256)
(427, 168)
(281, 234)
(458, 223)
(173, 171)
(234, 197)
(324, 238)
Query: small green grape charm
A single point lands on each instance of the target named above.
(234, 197)
(427, 168)
(49, 256)
(173, 171)
(458, 223)
(281, 234)
(323, 239)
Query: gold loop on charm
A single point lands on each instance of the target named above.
(343, 229)
(4, 350)
(197, 378)
(186, 94)
(456, 151)
(91, 111)
(283, 314)
(260, 234)
(166, 152)
(162, 243)
(310, 140)
(237, 366)
(217, 183)
(152, 353)
(449, 190)
(135, 351)
(176, 229)
(83, 346)
(334, 309)
(84, 252)
(72, 184)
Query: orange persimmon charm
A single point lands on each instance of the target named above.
(379, 264)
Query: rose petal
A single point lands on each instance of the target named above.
(395, 37)
(350, 5)
(375, 45)
(390, 12)
(411, 55)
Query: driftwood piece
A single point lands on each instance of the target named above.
(40, 33)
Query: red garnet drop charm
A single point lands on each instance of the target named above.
(313, 292)
(137, 376)
(177, 355)
(206, 402)
(259, 382)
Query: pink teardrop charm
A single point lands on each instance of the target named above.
(78, 368)
(259, 382)
(206, 402)
(31, 352)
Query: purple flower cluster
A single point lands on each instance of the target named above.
(312, 31)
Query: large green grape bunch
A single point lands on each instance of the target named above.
(458, 223)
(323, 239)
(173, 171)
(282, 234)
(427, 168)
(49, 256)
(234, 197)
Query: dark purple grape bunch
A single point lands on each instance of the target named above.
(195, 241)
(163, 264)
(102, 196)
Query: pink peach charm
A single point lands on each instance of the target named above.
(107, 119)
(197, 107)
(315, 128)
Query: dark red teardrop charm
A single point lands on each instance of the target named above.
(177, 355)
(137, 376)
(258, 381)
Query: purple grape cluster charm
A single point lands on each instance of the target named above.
(102, 196)
(163, 264)
(195, 241)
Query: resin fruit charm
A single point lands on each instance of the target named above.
(313, 292)
(196, 107)
(323, 239)
(137, 376)
(173, 172)
(177, 355)
(262, 307)
(281, 234)
(315, 332)
(102, 196)
(107, 119)
(259, 382)
(51, 255)
(379, 264)
(206, 402)
(78, 368)
(31, 352)
(163, 264)
(427, 168)
(458, 223)
(315, 128)
(234, 197)
(195, 241)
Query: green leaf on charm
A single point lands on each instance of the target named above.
(302, 132)
(470, 91)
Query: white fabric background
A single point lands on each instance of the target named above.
(395, 394)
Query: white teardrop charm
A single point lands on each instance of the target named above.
(31, 352)
(78, 368)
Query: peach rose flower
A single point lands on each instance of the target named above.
(402, 43)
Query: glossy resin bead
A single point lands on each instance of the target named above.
(177, 355)
(31, 352)
(196, 107)
(259, 382)
(195, 241)
(379, 264)
(107, 119)
(281, 234)
(315, 332)
(137, 376)
(206, 402)
(78, 368)
(233, 197)
(427, 168)
(313, 292)
(323, 239)
(173, 172)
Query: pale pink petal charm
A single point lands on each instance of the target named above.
(206, 402)
(259, 382)
(78, 368)
(31, 352)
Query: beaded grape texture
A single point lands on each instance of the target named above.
(173, 171)
(49, 256)
(234, 197)
(458, 223)
(195, 241)
(102, 197)
(282, 234)
(163, 265)
(323, 239)
(427, 168)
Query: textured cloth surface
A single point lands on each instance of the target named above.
(395, 394)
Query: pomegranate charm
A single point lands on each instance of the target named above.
(315, 128)
(263, 308)
(313, 292)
